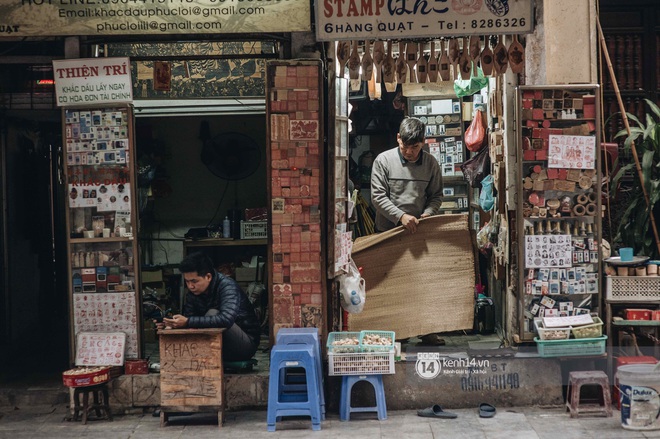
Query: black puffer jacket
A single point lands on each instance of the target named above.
(225, 295)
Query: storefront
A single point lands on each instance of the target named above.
(283, 109)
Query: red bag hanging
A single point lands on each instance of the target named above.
(475, 134)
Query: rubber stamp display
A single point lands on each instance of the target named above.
(559, 214)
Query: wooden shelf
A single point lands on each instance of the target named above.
(99, 240)
(636, 322)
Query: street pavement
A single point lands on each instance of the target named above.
(41, 421)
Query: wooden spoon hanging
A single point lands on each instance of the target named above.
(367, 62)
(411, 60)
(354, 62)
(389, 69)
(422, 65)
(443, 69)
(379, 57)
(401, 66)
(464, 62)
(487, 58)
(432, 65)
(454, 56)
(500, 57)
(516, 56)
(343, 53)
(475, 47)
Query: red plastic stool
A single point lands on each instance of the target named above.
(594, 378)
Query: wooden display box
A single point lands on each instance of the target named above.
(191, 372)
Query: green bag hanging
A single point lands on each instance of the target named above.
(468, 87)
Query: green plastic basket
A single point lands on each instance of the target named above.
(572, 347)
(335, 339)
(387, 336)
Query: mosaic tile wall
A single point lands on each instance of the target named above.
(296, 158)
(231, 69)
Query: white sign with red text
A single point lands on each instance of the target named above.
(92, 81)
(397, 19)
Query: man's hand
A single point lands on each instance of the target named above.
(159, 325)
(176, 322)
(425, 215)
(409, 222)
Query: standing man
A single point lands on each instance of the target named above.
(216, 301)
(406, 182)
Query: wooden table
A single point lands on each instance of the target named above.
(191, 373)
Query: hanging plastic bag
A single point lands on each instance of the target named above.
(486, 200)
(468, 87)
(475, 134)
(477, 168)
(352, 292)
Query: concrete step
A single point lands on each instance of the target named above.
(459, 383)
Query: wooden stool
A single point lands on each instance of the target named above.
(100, 404)
(592, 377)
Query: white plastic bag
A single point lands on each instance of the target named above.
(352, 292)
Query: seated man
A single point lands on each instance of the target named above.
(217, 301)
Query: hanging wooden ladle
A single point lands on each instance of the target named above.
(444, 70)
(516, 56)
(343, 53)
(464, 62)
(389, 69)
(379, 57)
(487, 58)
(422, 65)
(367, 62)
(411, 60)
(432, 65)
(354, 62)
(454, 56)
(401, 67)
(475, 47)
(500, 57)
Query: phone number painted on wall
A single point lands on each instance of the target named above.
(395, 19)
(111, 17)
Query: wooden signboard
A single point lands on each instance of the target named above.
(191, 372)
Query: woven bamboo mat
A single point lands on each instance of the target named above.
(417, 284)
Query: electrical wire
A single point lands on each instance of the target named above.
(222, 197)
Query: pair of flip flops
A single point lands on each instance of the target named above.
(435, 411)
(486, 410)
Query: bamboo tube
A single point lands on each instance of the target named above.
(633, 147)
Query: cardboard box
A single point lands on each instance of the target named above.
(638, 314)
(246, 274)
(152, 276)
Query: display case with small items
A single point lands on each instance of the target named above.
(100, 214)
(559, 208)
(444, 140)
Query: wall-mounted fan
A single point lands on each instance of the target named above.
(231, 156)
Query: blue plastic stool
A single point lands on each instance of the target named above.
(294, 381)
(282, 403)
(347, 383)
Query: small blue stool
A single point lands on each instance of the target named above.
(282, 403)
(295, 382)
(347, 383)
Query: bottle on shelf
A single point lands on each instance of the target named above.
(226, 227)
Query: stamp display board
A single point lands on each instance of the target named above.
(191, 372)
(100, 348)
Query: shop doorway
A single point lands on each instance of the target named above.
(193, 172)
(34, 322)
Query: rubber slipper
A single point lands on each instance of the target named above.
(435, 411)
(486, 410)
